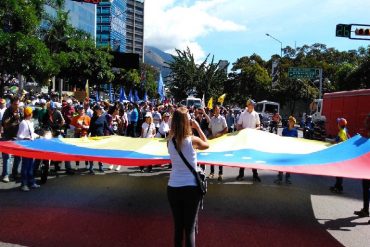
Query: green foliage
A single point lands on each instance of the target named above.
(20, 16)
(249, 79)
(189, 78)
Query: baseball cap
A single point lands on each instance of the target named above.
(342, 122)
(148, 114)
(27, 111)
(97, 107)
(79, 107)
(251, 102)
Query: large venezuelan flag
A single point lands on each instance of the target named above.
(247, 148)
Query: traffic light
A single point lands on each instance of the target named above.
(343, 30)
(362, 31)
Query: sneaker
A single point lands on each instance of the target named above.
(240, 178)
(110, 167)
(278, 181)
(101, 171)
(35, 186)
(70, 172)
(6, 179)
(91, 172)
(211, 176)
(117, 168)
(362, 213)
(219, 178)
(256, 178)
(25, 188)
(288, 181)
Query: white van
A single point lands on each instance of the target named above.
(191, 101)
(266, 109)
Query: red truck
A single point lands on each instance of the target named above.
(351, 105)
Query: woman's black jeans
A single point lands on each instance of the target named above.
(184, 202)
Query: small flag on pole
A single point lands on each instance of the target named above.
(210, 103)
(87, 89)
(221, 99)
(122, 94)
(130, 97)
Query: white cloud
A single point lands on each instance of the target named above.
(171, 24)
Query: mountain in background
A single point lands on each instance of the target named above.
(158, 59)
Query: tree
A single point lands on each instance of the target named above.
(249, 79)
(189, 78)
(22, 52)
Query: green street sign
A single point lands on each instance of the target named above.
(310, 73)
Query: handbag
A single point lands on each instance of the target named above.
(200, 176)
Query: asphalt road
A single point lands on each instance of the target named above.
(129, 208)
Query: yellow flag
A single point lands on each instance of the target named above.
(87, 89)
(221, 98)
(210, 103)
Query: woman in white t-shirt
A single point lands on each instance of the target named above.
(147, 131)
(26, 131)
(182, 191)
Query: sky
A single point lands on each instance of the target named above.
(230, 29)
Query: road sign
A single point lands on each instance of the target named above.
(310, 73)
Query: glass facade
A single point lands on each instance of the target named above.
(82, 16)
(111, 25)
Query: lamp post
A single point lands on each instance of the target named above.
(281, 44)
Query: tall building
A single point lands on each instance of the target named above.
(135, 27)
(111, 25)
(81, 15)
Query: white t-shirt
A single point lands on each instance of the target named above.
(164, 128)
(217, 124)
(157, 119)
(26, 130)
(180, 174)
(249, 119)
(147, 133)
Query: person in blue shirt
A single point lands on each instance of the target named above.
(289, 131)
(134, 118)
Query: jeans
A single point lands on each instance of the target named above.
(241, 172)
(92, 165)
(365, 191)
(16, 162)
(131, 129)
(27, 172)
(184, 202)
(220, 170)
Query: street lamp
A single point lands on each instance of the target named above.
(281, 44)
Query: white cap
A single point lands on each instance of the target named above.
(148, 114)
(42, 101)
